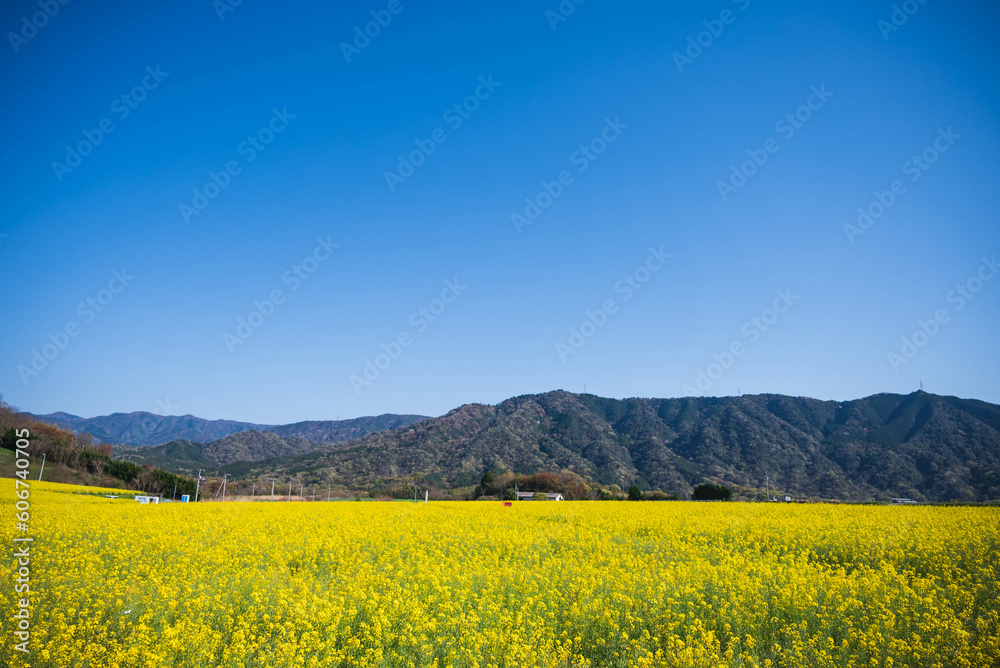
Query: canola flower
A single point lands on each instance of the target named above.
(461, 584)
(64, 488)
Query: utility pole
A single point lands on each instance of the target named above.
(302, 486)
(314, 492)
(289, 489)
(41, 469)
(197, 485)
(174, 497)
(222, 488)
(253, 490)
(272, 489)
(767, 487)
(328, 491)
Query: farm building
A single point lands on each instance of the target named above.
(529, 496)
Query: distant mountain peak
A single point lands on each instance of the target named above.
(148, 429)
(918, 445)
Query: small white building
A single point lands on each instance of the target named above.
(530, 496)
(143, 499)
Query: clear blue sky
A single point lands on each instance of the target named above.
(672, 130)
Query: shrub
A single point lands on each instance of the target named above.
(634, 493)
(712, 492)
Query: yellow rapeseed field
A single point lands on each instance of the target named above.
(116, 584)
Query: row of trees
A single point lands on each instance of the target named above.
(502, 485)
(575, 487)
(707, 492)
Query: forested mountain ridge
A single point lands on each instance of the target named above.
(148, 429)
(186, 457)
(919, 445)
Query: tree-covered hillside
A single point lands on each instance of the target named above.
(920, 445)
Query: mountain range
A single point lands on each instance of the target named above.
(921, 446)
(142, 428)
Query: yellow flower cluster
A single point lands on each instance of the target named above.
(63, 488)
(457, 584)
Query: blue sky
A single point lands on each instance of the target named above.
(645, 141)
